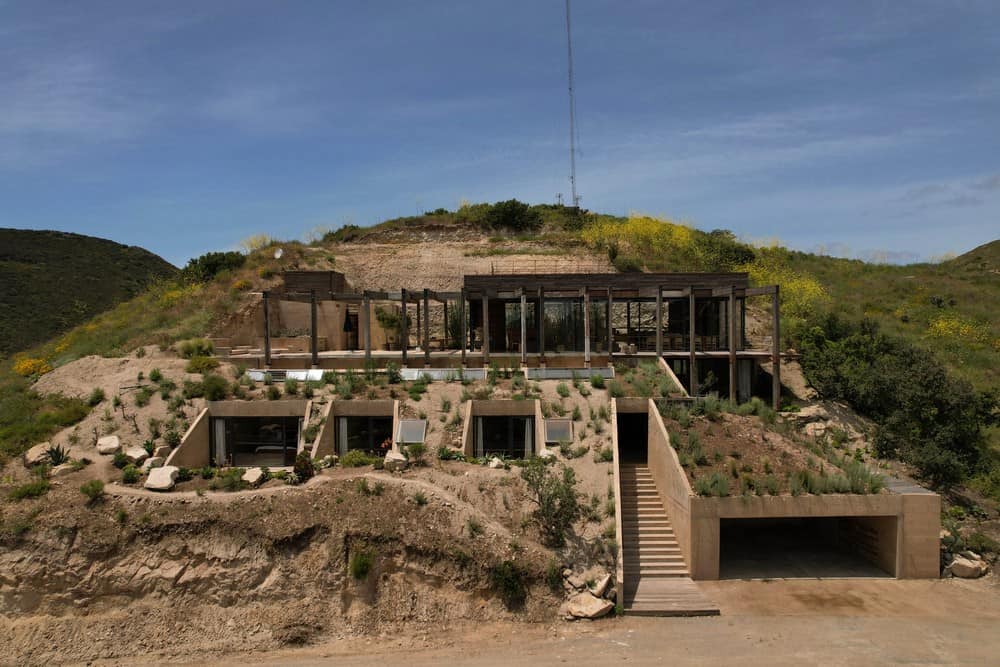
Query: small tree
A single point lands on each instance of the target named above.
(304, 468)
(555, 495)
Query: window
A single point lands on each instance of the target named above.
(558, 430)
(364, 433)
(255, 441)
(411, 431)
(509, 436)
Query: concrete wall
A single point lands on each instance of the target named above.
(294, 315)
(326, 442)
(193, 452)
(616, 470)
(324, 439)
(672, 484)
(282, 408)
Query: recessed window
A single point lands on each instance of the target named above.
(558, 430)
(411, 431)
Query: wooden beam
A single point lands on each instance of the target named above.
(427, 328)
(659, 322)
(586, 327)
(405, 334)
(761, 291)
(611, 330)
(313, 342)
(267, 331)
(732, 345)
(465, 325)
(366, 311)
(446, 332)
(524, 329)
(692, 360)
(486, 330)
(541, 323)
(776, 351)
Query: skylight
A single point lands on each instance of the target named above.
(558, 430)
(411, 431)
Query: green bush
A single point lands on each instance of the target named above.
(291, 386)
(615, 389)
(195, 347)
(215, 387)
(420, 498)
(230, 479)
(172, 437)
(273, 393)
(57, 455)
(361, 564)
(562, 389)
(96, 397)
(597, 381)
(33, 489)
(155, 375)
(415, 453)
(204, 268)
(356, 458)
(304, 468)
(555, 497)
(511, 215)
(93, 489)
(130, 474)
(508, 580)
(716, 485)
(199, 364)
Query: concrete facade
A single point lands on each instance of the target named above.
(326, 443)
(501, 408)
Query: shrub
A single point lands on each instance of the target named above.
(200, 364)
(172, 437)
(33, 489)
(511, 214)
(604, 455)
(597, 381)
(206, 472)
(291, 386)
(507, 580)
(130, 474)
(361, 564)
(304, 468)
(562, 389)
(192, 390)
(195, 347)
(207, 266)
(230, 479)
(215, 387)
(615, 389)
(555, 497)
(28, 367)
(155, 375)
(356, 458)
(273, 393)
(553, 576)
(473, 527)
(94, 489)
(142, 397)
(57, 455)
(420, 498)
(184, 474)
(96, 397)
(393, 376)
(715, 484)
(415, 453)
(119, 460)
(446, 453)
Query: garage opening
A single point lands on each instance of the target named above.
(807, 547)
(633, 430)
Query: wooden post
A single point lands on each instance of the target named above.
(465, 324)
(692, 361)
(586, 327)
(312, 329)
(732, 345)
(659, 321)
(445, 343)
(776, 351)
(367, 324)
(486, 330)
(267, 330)
(405, 333)
(611, 332)
(541, 324)
(427, 328)
(524, 328)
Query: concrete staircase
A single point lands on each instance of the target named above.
(657, 582)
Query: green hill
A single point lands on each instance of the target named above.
(52, 281)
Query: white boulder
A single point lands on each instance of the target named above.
(62, 469)
(395, 461)
(37, 455)
(495, 463)
(585, 605)
(152, 462)
(600, 586)
(968, 568)
(108, 445)
(136, 455)
(253, 476)
(162, 478)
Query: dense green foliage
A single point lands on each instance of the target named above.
(26, 417)
(925, 415)
(508, 580)
(555, 497)
(55, 280)
(208, 266)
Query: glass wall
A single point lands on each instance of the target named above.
(365, 433)
(255, 441)
(509, 436)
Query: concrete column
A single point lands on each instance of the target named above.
(659, 320)
(445, 343)
(776, 351)
(541, 324)
(312, 329)
(692, 361)
(524, 329)
(586, 327)
(732, 345)
(465, 324)
(427, 327)
(486, 330)
(366, 322)
(405, 330)
(267, 331)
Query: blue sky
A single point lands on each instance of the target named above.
(865, 129)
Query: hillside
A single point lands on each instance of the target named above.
(55, 280)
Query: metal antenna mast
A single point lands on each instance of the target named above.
(572, 113)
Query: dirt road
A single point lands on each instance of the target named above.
(845, 622)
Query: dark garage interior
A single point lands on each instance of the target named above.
(633, 429)
(809, 547)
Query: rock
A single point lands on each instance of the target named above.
(810, 413)
(253, 476)
(495, 463)
(152, 462)
(395, 461)
(162, 478)
(62, 469)
(968, 568)
(108, 445)
(136, 455)
(585, 605)
(600, 586)
(37, 455)
(577, 581)
(814, 429)
(612, 594)
(163, 451)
